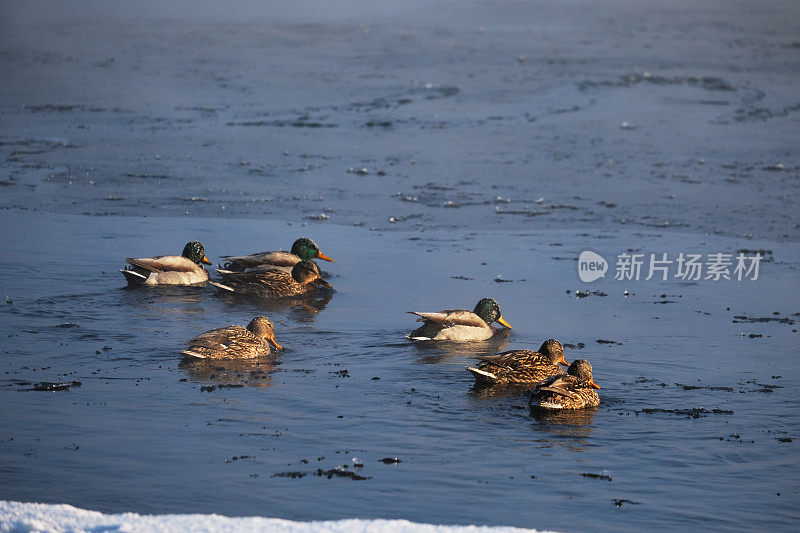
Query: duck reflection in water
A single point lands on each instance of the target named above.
(229, 372)
(444, 351)
(566, 417)
(301, 309)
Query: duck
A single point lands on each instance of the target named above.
(521, 367)
(460, 324)
(184, 269)
(303, 249)
(303, 280)
(235, 342)
(573, 390)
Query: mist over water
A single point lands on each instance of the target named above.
(440, 153)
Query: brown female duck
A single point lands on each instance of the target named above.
(272, 284)
(573, 390)
(521, 367)
(235, 342)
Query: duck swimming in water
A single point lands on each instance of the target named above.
(521, 367)
(573, 390)
(235, 342)
(303, 280)
(184, 269)
(460, 324)
(303, 249)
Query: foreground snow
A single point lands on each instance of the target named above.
(16, 516)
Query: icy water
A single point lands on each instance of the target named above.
(441, 152)
(698, 425)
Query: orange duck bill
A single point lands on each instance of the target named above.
(593, 384)
(503, 321)
(324, 257)
(273, 342)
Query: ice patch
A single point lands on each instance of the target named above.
(34, 517)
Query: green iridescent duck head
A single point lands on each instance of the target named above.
(306, 249)
(194, 250)
(306, 272)
(554, 350)
(489, 311)
(581, 369)
(262, 328)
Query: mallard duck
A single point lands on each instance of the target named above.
(573, 390)
(270, 284)
(521, 367)
(235, 342)
(460, 324)
(184, 269)
(303, 249)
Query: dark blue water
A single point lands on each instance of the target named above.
(140, 433)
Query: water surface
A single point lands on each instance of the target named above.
(698, 425)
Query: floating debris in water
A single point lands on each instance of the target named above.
(390, 460)
(340, 471)
(292, 475)
(51, 386)
(619, 503)
(595, 476)
(359, 171)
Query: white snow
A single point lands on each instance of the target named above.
(34, 517)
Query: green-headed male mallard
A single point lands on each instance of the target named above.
(271, 284)
(521, 367)
(573, 390)
(460, 324)
(235, 342)
(303, 249)
(184, 269)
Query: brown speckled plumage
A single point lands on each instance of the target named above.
(573, 390)
(235, 342)
(272, 284)
(521, 367)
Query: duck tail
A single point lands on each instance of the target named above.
(133, 277)
(482, 375)
(221, 286)
(189, 353)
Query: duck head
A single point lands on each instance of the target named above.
(306, 272)
(580, 368)
(306, 249)
(554, 351)
(489, 311)
(194, 250)
(262, 327)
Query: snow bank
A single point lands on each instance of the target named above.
(30, 517)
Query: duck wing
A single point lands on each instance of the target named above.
(515, 359)
(258, 276)
(234, 340)
(452, 317)
(164, 263)
(275, 258)
(563, 384)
